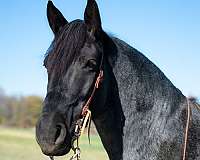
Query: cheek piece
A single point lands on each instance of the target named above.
(85, 121)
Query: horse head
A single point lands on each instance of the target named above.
(72, 61)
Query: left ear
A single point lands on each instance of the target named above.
(55, 17)
(92, 18)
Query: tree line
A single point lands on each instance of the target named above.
(19, 111)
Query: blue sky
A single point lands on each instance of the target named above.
(166, 31)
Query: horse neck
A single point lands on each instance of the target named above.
(109, 124)
(142, 86)
(147, 97)
(140, 92)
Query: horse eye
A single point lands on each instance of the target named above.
(91, 64)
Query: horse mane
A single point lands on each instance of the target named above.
(65, 46)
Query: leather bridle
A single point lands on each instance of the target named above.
(85, 115)
(85, 119)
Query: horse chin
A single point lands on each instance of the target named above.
(63, 152)
(59, 152)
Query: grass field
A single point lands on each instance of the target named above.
(20, 144)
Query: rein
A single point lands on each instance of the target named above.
(186, 129)
(189, 116)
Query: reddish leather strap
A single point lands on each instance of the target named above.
(96, 86)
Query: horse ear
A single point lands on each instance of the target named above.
(55, 17)
(92, 17)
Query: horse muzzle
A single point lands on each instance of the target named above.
(53, 136)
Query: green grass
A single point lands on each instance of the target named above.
(20, 144)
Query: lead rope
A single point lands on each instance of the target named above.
(187, 126)
(186, 129)
(77, 151)
(79, 129)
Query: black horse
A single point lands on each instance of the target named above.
(139, 114)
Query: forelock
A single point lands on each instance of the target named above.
(66, 46)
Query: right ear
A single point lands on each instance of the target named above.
(55, 17)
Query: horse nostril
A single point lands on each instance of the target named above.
(60, 133)
(58, 130)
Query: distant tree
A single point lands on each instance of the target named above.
(2, 105)
(30, 108)
(10, 111)
(19, 111)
